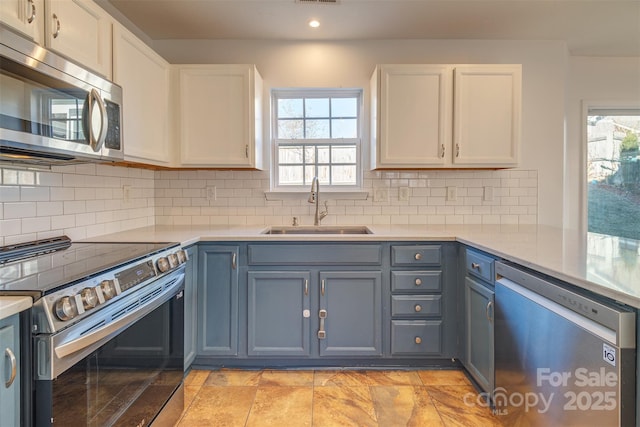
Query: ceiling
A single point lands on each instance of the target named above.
(589, 27)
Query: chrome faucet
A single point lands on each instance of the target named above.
(314, 197)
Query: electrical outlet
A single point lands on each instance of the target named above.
(488, 194)
(403, 194)
(381, 195)
(452, 194)
(210, 193)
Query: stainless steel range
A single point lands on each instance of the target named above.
(107, 328)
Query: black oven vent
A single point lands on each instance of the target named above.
(125, 310)
(151, 295)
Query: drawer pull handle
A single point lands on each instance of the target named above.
(489, 314)
(234, 261)
(418, 256)
(475, 266)
(418, 282)
(418, 340)
(14, 368)
(418, 308)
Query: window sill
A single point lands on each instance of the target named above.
(329, 194)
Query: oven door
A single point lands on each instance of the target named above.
(127, 375)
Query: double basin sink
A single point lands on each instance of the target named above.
(320, 229)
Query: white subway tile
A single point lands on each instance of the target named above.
(34, 194)
(34, 225)
(49, 208)
(19, 210)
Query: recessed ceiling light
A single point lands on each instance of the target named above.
(314, 23)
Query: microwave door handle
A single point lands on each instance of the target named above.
(96, 142)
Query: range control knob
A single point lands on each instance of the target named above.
(173, 260)
(163, 264)
(65, 308)
(182, 256)
(89, 298)
(108, 289)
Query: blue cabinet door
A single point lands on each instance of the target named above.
(190, 307)
(218, 300)
(479, 358)
(278, 313)
(10, 372)
(353, 305)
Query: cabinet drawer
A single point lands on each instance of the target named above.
(317, 254)
(416, 305)
(420, 255)
(416, 337)
(416, 281)
(480, 265)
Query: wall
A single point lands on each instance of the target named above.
(241, 199)
(592, 80)
(79, 201)
(350, 64)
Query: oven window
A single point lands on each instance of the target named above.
(128, 380)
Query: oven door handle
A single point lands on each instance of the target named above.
(111, 329)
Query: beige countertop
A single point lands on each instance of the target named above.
(13, 305)
(606, 265)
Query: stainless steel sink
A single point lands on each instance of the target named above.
(329, 229)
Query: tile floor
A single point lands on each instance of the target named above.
(421, 398)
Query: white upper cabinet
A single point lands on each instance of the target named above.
(486, 115)
(445, 116)
(220, 116)
(145, 79)
(80, 30)
(411, 115)
(24, 16)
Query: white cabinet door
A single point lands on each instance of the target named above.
(486, 116)
(220, 116)
(412, 119)
(24, 16)
(80, 30)
(144, 77)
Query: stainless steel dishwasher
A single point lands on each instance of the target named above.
(561, 359)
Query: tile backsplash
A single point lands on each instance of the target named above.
(89, 200)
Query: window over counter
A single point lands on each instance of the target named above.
(316, 132)
(613, 170)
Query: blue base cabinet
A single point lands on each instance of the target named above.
(285, 304)
(478, 319)
(190, 307)
(10, 371)
(218, 300)
(278, 313)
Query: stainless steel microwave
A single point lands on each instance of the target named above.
(52, 110)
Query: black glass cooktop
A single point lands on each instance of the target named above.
(43, 274)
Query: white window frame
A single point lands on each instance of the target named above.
(588, 107)
(281, 93)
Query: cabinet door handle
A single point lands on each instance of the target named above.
(306, 287)
(418, 282)
(418, 256)
(457, 150)
(234, 261)
(322, 288)
(246, 151)
(322, 334)
(56, 33)
(442, 152)
(418, 308)
(475, 266)
(489, 311)
(418, 340)
(14, 366)
(33, 11)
